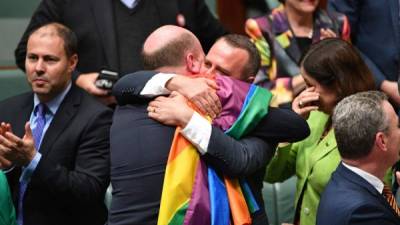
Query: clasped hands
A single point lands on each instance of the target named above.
(175, 111)
(15, 151)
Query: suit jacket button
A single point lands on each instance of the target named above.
(306, 211)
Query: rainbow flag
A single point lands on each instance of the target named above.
(193, 193)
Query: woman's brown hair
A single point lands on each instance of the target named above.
(337, 65)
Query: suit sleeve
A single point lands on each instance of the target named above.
(352, 9)
(237, 158)
(47, 11)
(281, 125)
(376, 72)
(87, 182)
(127, 89)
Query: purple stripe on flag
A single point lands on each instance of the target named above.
(231, 103)
(198, 212)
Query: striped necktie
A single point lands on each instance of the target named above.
(37, 132)
(40, 121)
(387, 193)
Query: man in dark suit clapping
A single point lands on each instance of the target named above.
(54, 140)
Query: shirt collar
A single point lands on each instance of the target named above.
(130, 3)
(373, 180)
(53, 104)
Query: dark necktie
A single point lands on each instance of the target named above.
(387, 193)
(37, 133)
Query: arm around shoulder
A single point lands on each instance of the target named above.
(238, 158)
(281, 125)
(128, 88)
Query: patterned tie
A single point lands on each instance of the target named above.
(387, 193)
(37, 133)
(40, 123)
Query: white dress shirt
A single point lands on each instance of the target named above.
(130, 3)
(373, 180)
(198, 129)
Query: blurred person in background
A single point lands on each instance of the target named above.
(283, 36)
(375, 31)
(111, 33)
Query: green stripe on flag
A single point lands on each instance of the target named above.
(255, 110)
(179, 215)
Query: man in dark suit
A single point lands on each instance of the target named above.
(59, 159)
(111, 33)
(368, 138)
(375, 31)
(139, 156)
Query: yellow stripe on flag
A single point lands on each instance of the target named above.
(178, 183)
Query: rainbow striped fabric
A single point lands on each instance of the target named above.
(192, 192)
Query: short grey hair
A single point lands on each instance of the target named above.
(356, 120)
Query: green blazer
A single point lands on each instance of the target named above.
(313, 162)
(7, 212)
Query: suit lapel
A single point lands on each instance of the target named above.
(352, 177)
(104, 16)
(62, 118)
(18, 125)
(325, 146)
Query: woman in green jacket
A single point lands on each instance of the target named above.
(7, 212)
(332, 70)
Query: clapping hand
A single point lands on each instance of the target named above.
(15, 150)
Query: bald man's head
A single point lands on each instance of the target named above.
(168, 46)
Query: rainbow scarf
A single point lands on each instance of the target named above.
(192, 192)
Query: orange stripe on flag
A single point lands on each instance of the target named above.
(178, 145)
(237, 203)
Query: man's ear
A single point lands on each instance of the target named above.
(193, 65)
(381, 141)
(73, 60)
